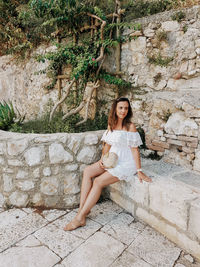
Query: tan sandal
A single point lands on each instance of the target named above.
(74, 224)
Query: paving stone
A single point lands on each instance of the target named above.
(28, 210)
(51, 215)
(25, 257)
(59, 241)
(123, 228)
(180, 265)
(29, 241)
(11, 217)
(189, 258)
(129, 260)
(104, 212)
(10, 234)
(98, 250)
(154, 248)
(83, 232)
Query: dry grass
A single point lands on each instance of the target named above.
(188, 3)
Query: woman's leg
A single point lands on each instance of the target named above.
(99, 183)
(88, 173)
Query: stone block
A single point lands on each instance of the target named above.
(75, 142)
(179, 124)
(49, 186)
(18, 199)
(194, 218)
(7, 183)
(87, 154)
(47, 171)
(57, 154)
(188, 138)
(15, 162)
(170, 26)
(170, 200)
(2, 148)
(25, 185)
(1, 200)
(71, 167)
(71, 184)
(122, 201)
(34, 155)
(21, 174)
(91, 139)
(2, 161)
(188, 149)
(172, 136)
(157, 148)
(16, 147)
(196, 165)
(192, 144)
(176, 142)
(160, 144)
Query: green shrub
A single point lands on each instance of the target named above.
(57, 124)
(178, 16)
(159, 60)
(7, 115)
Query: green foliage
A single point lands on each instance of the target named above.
(122, 85)
(58, 125)
(178, 16)
(141, 8)
(185, 28)
(159, 60)
(7, 115)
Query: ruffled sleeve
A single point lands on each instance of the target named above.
(134, 139)
(122, 138)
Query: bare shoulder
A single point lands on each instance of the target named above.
(132, 128)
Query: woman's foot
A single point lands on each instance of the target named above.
(74, 224)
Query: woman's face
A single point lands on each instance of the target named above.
(122, 109)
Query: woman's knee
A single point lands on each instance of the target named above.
(87, 172)
(98, 183)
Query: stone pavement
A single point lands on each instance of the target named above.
(111, 237)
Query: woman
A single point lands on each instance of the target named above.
(123, 139)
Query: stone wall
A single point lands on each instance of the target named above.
(45, 170)
(162, 95)
(166, 99)
(171, 204)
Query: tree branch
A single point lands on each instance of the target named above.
(61, 100)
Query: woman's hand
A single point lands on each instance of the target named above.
(143, 177)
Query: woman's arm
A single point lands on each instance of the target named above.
(136, 155)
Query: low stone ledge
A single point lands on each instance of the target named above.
(45, 169)
(171, 204)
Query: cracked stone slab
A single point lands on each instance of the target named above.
(24, 257)
(51, 215)
(11, 217)
(9, 235)
(154, 248)
(98, 250)
(29, 241)
(129, 260)
(104, 212)
(189, 177)
(160, 167)
(123, 228)
(83, 232)
(59, 241)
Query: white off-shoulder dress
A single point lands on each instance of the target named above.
(121, 142)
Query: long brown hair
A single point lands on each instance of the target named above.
(112, 118)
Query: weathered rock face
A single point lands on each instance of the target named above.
(162, 62)
(45, 169)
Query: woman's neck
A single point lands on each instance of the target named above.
(119, 125)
